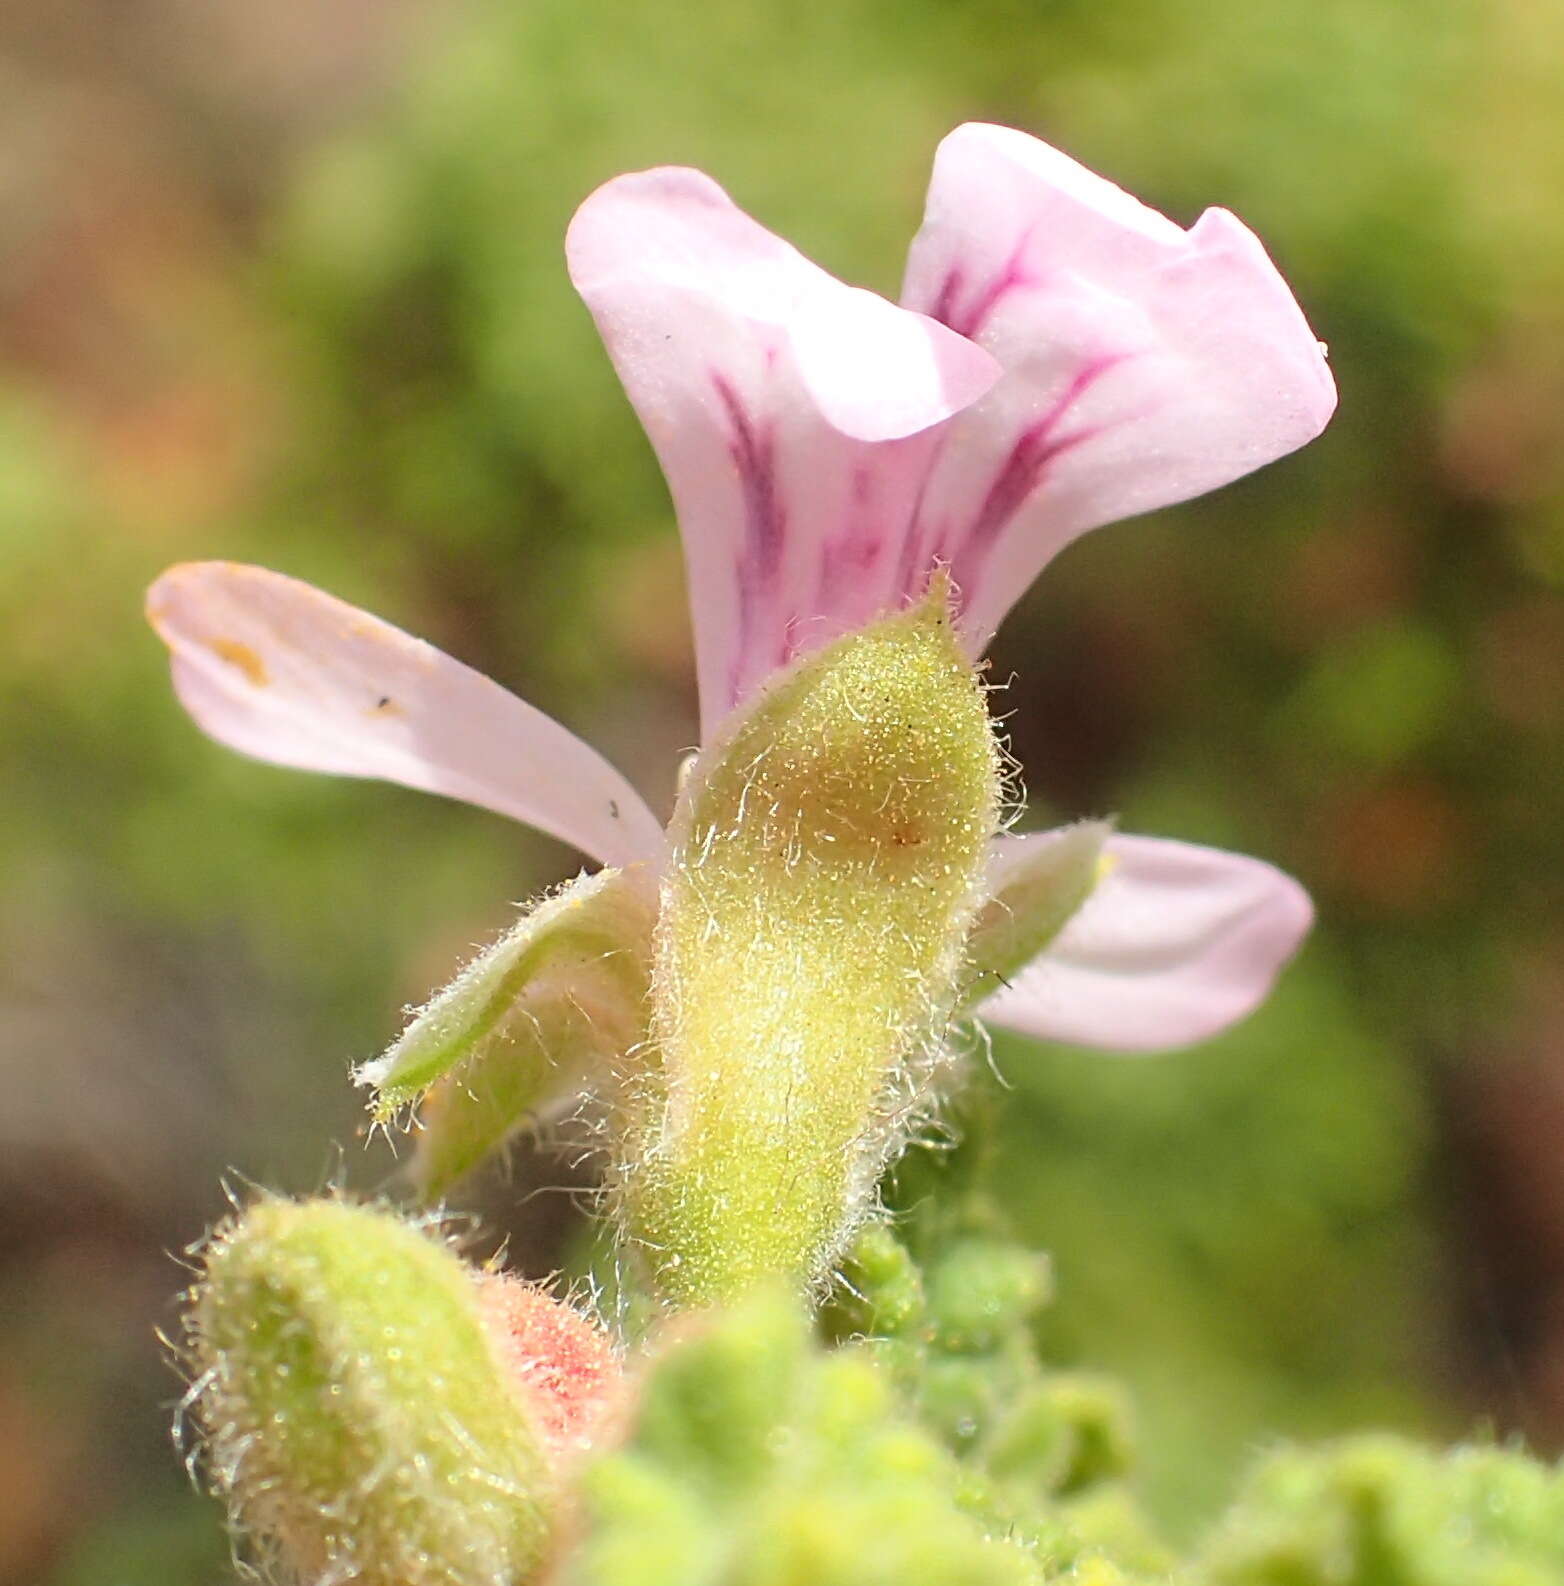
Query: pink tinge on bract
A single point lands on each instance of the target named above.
(826, 452)
(563, 1365)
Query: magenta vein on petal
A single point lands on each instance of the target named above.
(1022, 472)
(970, 322)
(765, 524)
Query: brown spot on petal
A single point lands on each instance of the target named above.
(243, 657)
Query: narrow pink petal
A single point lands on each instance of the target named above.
(792, 415)
(1144, 364)
(277, 669)
(1176, 944)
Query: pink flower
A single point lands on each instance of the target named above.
(1063, 357)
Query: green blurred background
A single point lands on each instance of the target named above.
(283, 283)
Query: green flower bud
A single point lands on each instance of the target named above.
(1097, 1413)
(756, 1458)
(652, 1530)
(562, 994)
(1034, 1443)
(958, 1397)
(880, 1291)
(358, 1415)
(1107, 1524)
(981, 1290)
(827, 861)
(722, 1386)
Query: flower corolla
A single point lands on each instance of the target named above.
(1062, 357)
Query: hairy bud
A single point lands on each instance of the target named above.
(360, 1416)
(827, 860)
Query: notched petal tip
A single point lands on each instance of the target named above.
(1288, 912)
(875, 371)
(166, 588)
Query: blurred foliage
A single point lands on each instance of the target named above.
(752, 1458)
(1377, 1511)
(286, 286)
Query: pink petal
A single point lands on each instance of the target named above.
(1144, 364)
(1176, 944)
(277, 669)
(792, 416)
